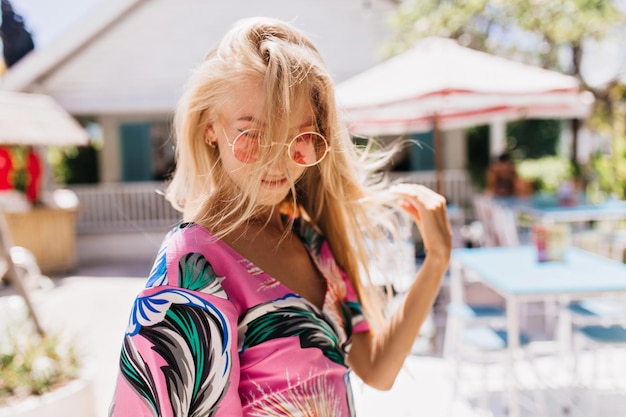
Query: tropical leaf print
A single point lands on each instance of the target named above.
(137, 373)
(151, 309)
(336, 306)
(196, 273)
(192, 337)
(158, 274)
(197, 371)
(309, 236)
(288, 317)
(355, 312)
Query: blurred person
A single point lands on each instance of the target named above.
(259, 303)
(502, 177)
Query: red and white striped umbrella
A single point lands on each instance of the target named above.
(459, 87)
(439, 85)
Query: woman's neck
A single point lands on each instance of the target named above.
(270, 222)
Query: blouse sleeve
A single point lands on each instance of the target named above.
(179, 354)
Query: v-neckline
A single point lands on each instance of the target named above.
(311, 254)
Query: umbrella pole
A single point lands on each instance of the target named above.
(575, 123)
(438, 145)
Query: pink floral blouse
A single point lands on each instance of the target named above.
(213, 335)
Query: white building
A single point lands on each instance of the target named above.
(124, 66)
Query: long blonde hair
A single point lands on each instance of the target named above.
(339, 196)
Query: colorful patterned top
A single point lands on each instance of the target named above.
(213, 335)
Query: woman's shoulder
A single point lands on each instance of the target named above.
(185, 245)
(189, 236)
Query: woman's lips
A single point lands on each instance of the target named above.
(274, 182)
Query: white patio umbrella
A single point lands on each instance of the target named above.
(37, 120)
(439, 85)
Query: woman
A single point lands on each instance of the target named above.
(502, 177)
(256, 303)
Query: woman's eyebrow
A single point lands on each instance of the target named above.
(256, 122)
(249, 119)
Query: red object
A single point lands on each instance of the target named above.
(6, 169)
(33, 169)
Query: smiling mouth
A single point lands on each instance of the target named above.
(274, 183)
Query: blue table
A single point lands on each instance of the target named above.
(515, 274)
(546, 208)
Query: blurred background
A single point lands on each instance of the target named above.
(87, 93)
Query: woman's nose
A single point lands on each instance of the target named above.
(278, 163)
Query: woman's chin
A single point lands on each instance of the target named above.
(272, 199)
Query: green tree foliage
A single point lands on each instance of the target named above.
(545, 173)
(538, 32)
(478, 154)
(74, 164)
(533, 138)
(527, 139)
(513, 28)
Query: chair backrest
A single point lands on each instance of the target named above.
(505, 225)
(483, 205)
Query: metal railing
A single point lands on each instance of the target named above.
(457, 185)
(121, 207)
(141, 207)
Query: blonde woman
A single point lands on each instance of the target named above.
(258, 304)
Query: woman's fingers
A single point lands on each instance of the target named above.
(428, 209)
(410, 209)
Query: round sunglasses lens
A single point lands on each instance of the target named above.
(308, 148)
(246, 146)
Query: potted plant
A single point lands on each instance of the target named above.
(40, 375)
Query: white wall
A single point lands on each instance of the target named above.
(110, 163)
(455, 148)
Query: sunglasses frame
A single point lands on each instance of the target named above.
(288, 145)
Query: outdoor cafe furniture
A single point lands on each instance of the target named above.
(515, 274)
(593, 226)
(498, 220)
(548, 209)
(485, 346)
(607, 344)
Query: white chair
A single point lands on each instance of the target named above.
(499, 221)
(461, 314)
(483, 207)
(601, 311)
(590, 330)
(505, 225)
(607, 345)
(473, 336)
(486, 347)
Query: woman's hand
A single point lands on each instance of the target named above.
(428, 210)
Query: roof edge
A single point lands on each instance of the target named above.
(41, 61)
